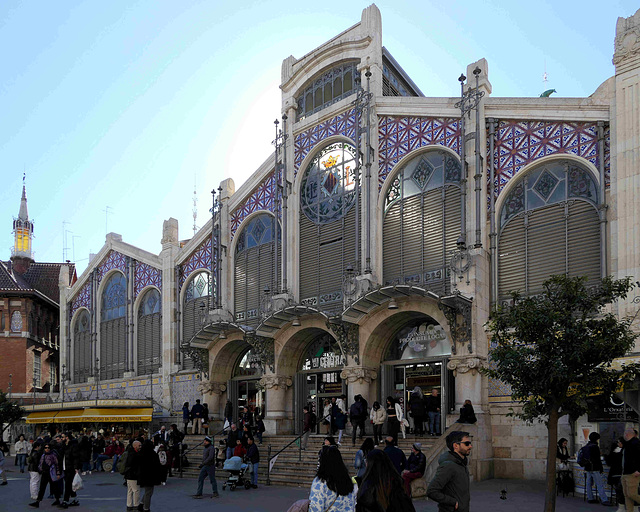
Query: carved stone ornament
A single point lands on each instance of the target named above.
(199, 356)
(276, 382)
(466, 364)
(358, 374)
(348, 336)
(263, 347)
(208, 387)
(627, 43)
(457, 310)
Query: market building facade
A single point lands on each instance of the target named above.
(365, 254)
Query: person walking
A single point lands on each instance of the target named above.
(3, 472)
(394, 417)
(205, 418)
(381, 489)
(164, 458)
(150, 473)
(131, 473)
(357, 415)
(186, 416)
(309, 422)
(253, 456)
(207, 468)
(450, 485)
(417, 411)
(233, 435)
(22, 450)
(332, 488)
(175, 442)
(51, 472)
(85, 454)
(594, 470)
(197, 412)
(416, 465)
(378, 417)
(433, 405)
(360, 462)
(340, 424)
(326, 416)
(34, 474)
(71, 465)
(631, 468)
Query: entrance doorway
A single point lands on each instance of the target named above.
(244, 387)
(322, 386)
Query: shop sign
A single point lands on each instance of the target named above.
(610, 410)
(424, 341)
(327, 360)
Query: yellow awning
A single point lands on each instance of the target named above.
(41, 417)
(118, 415)
(70, 416)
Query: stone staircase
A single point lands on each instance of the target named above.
(293, 467)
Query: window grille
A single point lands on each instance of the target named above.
(113, 329)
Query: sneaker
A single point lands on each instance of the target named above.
(3, 483)
(164, 483)
(606, 503)
(197, 496)
(55, 503)
(35, 504)
(74, 503)
(84, 473)
(215, 495)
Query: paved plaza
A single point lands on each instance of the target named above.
(104, 492)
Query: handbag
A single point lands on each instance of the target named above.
(55, 477)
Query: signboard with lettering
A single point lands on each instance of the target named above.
(425, 340)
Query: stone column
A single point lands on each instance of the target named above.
(359, 379)
(212, 392)
(277, 419)
(468, 380)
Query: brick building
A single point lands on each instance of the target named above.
(30, 315)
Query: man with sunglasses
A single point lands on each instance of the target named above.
(450, 485)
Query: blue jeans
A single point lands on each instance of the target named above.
(21, 459)
(204, 471)
(254, 473)
(434, 422)
(97, 462)
(115, 461)
(596, 477)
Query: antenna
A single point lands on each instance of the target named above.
(195, 205)
(65, 247)
(106, 219)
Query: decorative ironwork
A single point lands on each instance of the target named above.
(199, 356)
(263, 348)
(457, 310)
(460, 261)
(545, 184)
(348, 336)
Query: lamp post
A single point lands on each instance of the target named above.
(97, 375)
(35, 381)
(62, 380)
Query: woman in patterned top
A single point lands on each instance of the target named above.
(332, 488)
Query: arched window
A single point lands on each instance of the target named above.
(82, 347)
(327, 88)
(113, 328)
(197, 299)
(254, 265)
(422, 221)
(327, 226)
(150, 333)
(549, 224)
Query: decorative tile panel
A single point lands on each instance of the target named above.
(401, 135)
(262, 198)
(146, 275)
(184, 388)
(82, 299)
(200, 258)
(518, 143)
(114, 260)
(141, 388)
(342, 124)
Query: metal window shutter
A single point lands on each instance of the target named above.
(392, 245)
(82, 355)
(453, 203)
(583, 234)
(434, 235)
(240, 284)
(309, 267)
(511, 258)
(191, 325)
(113, 342)
(412, 237)
(546, 246)
(149, 343)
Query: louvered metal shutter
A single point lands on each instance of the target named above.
(149, 343)
(546, 246)
(412, 244)
(392, 245)
(113, 342)
(583, 238)
(191, 324)
(309, 266)
(512, 258)
(82, 355)
(240, 287)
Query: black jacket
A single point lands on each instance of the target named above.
(398, 458)
(368, 502)
(417, 463)
(631, 456)
(34, 459)
(450, 485)
(432, 403)
(253, 455)
(150, 470)
(71, 455)
(416, 406)
(232, 437)
(614, 461)
(228, 411)
(467, 414)
(595, 457)
(132, 464)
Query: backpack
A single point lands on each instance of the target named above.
(162, 455)
(122, 462)
(584, 457)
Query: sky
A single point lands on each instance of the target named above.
(116, 111)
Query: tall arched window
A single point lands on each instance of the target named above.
(422, 221)
(150, 333)
(82, 347)
(113, 328)
(197, 299)
(327, 226)
(254, 265)
(549, 224)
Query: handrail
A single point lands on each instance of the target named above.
(271, 457)
(183, 453)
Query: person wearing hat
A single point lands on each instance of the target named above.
(416, 465)
(208, 467)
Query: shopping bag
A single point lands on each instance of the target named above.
(77, 483)
(226, 424)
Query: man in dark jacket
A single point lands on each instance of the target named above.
(415, 467)
(71, 464)
(397, 456)
(228, 412)
(631, 468)
(253, 456)
(450, 485)
(208, 467)
(233, 435)
(309, 423)
(197, 414)
(432, 405)
(131, 474)
(97, 447)
(594, 470)
(357, 415)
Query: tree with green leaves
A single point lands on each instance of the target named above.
(556, 349)
(10, 412)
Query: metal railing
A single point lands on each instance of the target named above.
(182, 453)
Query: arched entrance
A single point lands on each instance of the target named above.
(244, 385)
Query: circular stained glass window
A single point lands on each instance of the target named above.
(328, 187)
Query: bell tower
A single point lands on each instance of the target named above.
(22, 254)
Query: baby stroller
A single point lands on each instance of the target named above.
(237, 470)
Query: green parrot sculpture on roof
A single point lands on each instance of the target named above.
(548, 93)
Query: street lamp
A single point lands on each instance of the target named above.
(62, 379)
(97, 379)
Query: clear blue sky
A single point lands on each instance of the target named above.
(124, 104)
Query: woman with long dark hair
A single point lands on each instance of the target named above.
(332, 488)
(51, 471)
(361, 457)
(394, 417)
(382, 489)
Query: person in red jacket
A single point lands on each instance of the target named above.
(114, 451)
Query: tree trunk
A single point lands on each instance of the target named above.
(552, 446)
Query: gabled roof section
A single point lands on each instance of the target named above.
(43, 278)
(396, 71)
